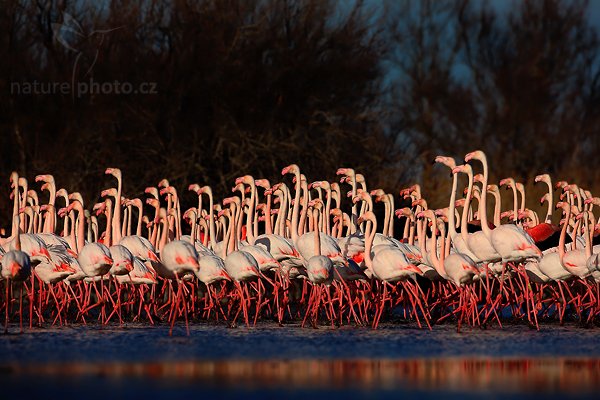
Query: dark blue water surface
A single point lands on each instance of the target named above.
(268, 361)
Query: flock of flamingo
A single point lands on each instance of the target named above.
(313, 263)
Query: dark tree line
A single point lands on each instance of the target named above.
(523, 86)
(249, 86)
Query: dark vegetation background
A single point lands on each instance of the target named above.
(249, 86)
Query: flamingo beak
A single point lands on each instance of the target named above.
(414, 269)
(224, 274)
(44, 252)
(148, 275)
(15, 268)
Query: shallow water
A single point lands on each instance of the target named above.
(268, 361)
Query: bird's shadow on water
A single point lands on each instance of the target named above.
(269, 361)
(267, 340)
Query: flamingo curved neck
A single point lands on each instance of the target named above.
(391, 220)
(231, 245)
(193, 230)
(497, 208)
(117, 213)
(250, 223)
(465, 214)
(317, 233)
(550, 202)
(305, 200)
(451, 207)
(295, 209)
(437, 261)
(370, 230)
(268, 221)
(326, 214)
(515, 202)
(354, 216)
(164, 233)
(109, 218)
(385, 218)
(563, 234)
(211, 222)
(483, 201)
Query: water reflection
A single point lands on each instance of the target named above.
(567, 375)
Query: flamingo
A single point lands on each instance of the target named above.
(319, 269)
(387, 262)
(178, 257)
(16, 265)
(510, 241)
(240, 265)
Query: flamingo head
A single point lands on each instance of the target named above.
(136, 202)
(345, 171)
(419, 202)
(263, 183)
(404, 212)
(379, 194)
(152, 191)
(336, 212)
(560, 184)
(76, 196)
(14, 179)
(116, 172)
(447, 161)
(206, 190)
(153, 202)
(189, 215)
(368, 216)
(231, 200)
(108, 192)
(224, 213)
(542, 178)
(290, 169)
(464, 168)
(572, 188)
(520, 187)
(475, 155)
(168, 190)
(99, 208)
(238, 187)
(194, 187)
(42, 178)
(246, 180)
(316, 203)
(563, 204)
(492, 188)
(508, 182)
(441, 212)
